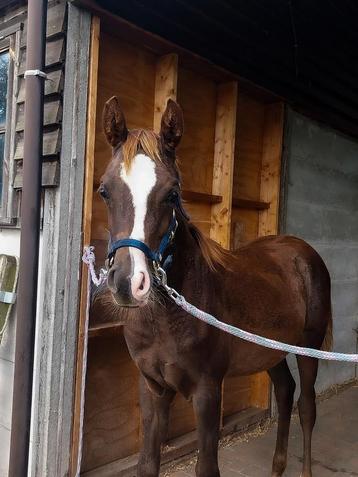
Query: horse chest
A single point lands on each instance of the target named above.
(167, 356)
(166, 371)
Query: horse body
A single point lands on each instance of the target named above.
(265, 291)
(277, 287)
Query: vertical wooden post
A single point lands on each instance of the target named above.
(86, 227)
(271, 168)
(166, 78)
(224, 157)
(268, 218)
(224, 162)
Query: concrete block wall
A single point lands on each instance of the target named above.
(321, 206)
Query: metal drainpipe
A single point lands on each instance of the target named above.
(29, 241)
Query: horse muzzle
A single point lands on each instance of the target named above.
(130, 286)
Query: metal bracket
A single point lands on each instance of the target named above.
(35, 73)
(7, 297)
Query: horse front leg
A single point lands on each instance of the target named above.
(155, 415)
(207, 407)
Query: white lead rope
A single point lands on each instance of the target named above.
(89, 259)
(260, 340)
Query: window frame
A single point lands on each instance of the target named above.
(10, 43)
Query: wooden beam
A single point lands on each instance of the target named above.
(268, 218)
(271, 168)
(86, 227)
(166, 78)
(224, 162)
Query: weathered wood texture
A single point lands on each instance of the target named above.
(55, 59)
(60, 276)
(50, 174)
(86, 239)
(225, 129)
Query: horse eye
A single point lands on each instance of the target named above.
(103, 192)
(172, 197)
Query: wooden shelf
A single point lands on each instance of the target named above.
(200, 197)
(250, 204)
(191, 196)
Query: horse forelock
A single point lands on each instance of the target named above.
(142, 141)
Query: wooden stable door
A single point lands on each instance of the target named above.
(229, 160)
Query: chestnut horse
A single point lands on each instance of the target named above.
(276, 286)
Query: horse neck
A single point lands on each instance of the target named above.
(188, 260)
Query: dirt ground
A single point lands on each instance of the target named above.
(335, 445)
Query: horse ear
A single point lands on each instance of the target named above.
(114, 123)
(172, 126)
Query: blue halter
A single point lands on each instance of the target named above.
(155, 256)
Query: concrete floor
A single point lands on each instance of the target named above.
(335, 445)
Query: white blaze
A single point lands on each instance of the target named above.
(140, 179)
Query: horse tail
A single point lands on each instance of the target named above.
(328, 339)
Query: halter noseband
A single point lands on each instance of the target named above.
(155, 256)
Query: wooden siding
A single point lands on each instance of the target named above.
(55, 59)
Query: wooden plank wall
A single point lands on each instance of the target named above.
(271, 167)
(55, 59)
(225, 132)
(197, 97)
(106, 436)
(226, 141)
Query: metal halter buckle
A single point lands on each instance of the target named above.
(111, 261)
(160, 273)
(161, 276)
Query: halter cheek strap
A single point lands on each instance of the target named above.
(155, 256)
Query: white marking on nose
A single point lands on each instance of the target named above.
(140, 179)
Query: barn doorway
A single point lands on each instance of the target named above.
(232, 197)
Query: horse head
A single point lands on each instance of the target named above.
(141, 189)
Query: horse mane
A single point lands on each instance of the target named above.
(140, 140)
(215, 256)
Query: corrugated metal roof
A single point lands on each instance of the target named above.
(304, 51)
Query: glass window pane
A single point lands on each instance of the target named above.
(2, 142)
(4, 68)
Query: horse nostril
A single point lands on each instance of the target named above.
(140, 284)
